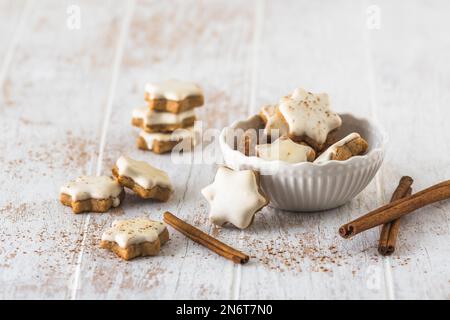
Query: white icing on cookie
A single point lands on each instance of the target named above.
(175, 90)
(150, 117)
(309, 114)
(284, 149)
(327, 154)
(177, 135)
(234, 197)
(93, 187)
(274, 121)
(142, 173)
(133, 231)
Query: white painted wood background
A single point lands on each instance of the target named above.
(65, 102)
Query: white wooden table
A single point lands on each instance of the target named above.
(65, 101)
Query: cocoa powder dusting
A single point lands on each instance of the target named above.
(303, 254)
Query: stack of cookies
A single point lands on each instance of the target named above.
(169, 117)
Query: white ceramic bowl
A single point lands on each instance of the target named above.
(308, 186)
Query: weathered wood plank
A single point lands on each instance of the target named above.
(409, 54)
(13, 16)
(50, 118)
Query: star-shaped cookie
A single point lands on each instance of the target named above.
(92, 193)
(234, 197)
(173, 96)
(284, 149)
(273, 121)
(135, 237)
(347, 147)
(308, 115)
(144, 179)
(173, 89)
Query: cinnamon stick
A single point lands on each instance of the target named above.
(205, 239)
(396, 209)
(389, 231)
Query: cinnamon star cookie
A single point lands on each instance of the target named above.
(92, 194)
(147, 181)
(349, 146)
(273, 121)
(135, 237)
(152, 121)
(173, 96)
(235, 197)
(166, 142)
(285, 149)
(309, 117)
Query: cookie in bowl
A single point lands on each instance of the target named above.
(274, 124)
(284, 149)
(349, 146)
(309, 117)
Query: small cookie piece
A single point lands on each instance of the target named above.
(144, 179)
(92, 194)
(135, 237)
(152, 121)
(247, 141)
(165, 142)
(273, 121)
(351, 145)
(284, 149)
(173, 96)
(309, 117)
(235, 197)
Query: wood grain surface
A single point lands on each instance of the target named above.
(66, 97)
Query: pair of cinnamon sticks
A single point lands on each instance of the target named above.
(389, 231)
(402, 203)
